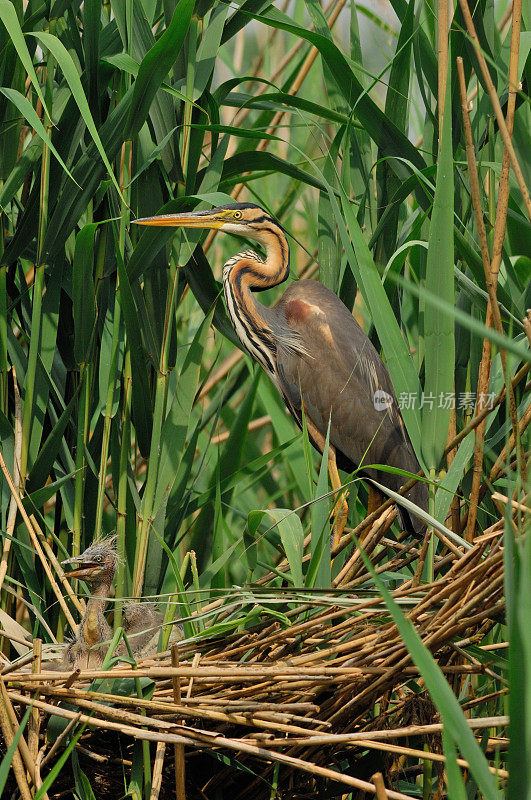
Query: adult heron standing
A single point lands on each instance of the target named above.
(316, 354)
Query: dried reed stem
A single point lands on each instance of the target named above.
(499, 464)
(36, 541)
(527, 325)
(503, 186)
(178, 749)
(381, 792)
(485, 364)
(200, 738)
(34, 720)
(493, 313)
(494, 100)
(442, 60)
(9, 735)
(158, 767)
(23, 749)
(12, 511)
(500, 397)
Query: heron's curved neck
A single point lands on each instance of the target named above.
(246, 273)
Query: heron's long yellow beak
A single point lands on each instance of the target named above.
(199, 219)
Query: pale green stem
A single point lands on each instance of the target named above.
(122, 492)
(426, 778)
(126, 408)
(3, 322)
(492, 182)
(172, 606)
(193, 33)
(159, 414)
(38, 281)
(109, 401)
(431, 546)
(107, 419)
(82, 434)
(195, 581)
(140, 695)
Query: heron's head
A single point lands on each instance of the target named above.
(97, 563)
(244, 219)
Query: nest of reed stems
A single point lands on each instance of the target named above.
(329, 700)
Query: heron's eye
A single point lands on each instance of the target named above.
(98, 559)
(237, 215)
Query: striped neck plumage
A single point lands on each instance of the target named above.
(245, 273)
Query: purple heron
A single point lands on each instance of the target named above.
(315, 353)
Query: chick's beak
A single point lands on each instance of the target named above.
(81, 570)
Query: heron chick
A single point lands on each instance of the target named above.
(97, 566)
(141, 621)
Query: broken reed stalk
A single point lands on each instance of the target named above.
(378, 529)
(420, 754)
(61, 739)
(500, 397)
(381, 792)
(500, 463)
(226, 673)
(509, 447)
(494, 99)
(514, 504)
(158, 767)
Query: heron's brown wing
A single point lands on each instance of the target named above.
(341, 378)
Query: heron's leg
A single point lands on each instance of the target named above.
(376, 498)
(340, 511)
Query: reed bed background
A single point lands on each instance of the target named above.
(392, 142)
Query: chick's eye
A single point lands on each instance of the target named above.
(98, 559)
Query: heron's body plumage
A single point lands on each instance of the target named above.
(349, 390)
